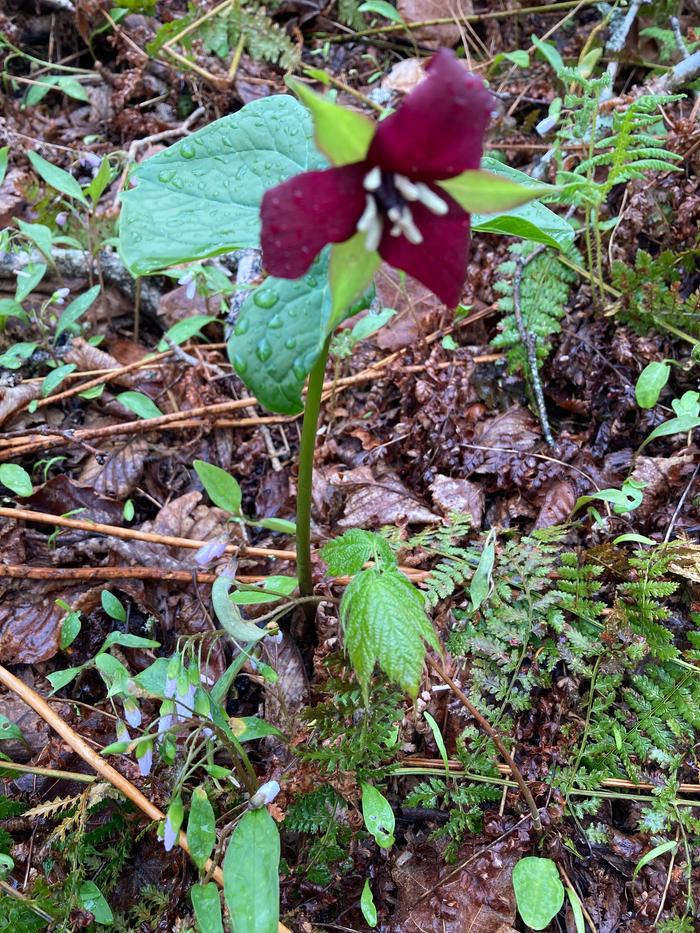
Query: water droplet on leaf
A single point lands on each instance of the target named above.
(265, 297)
(263, 351)
(188, 151)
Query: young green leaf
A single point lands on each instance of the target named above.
(57, 178)
(113, 606)
(481, 581)
(10, 731)
(16, 479)
(28, 278)
(378, 816)
(283, 525)
(371, 323)
(201, 827)
(75, 310)
(539, 892)
(439, 741)
(229, 615)
(179, 212)
(651, 381)
(367, 906)
(93, 900)
(97, 186)
(251, 879)
(39, 234)
(4, 158)
(59, 679)
(669, 846)
(184, 330)
(126, 639)
(576, 910)
(269, 591)
(221, 487)
(207, 907)
(382, 8)
(53, 380)
(384, 621)
(140, 404)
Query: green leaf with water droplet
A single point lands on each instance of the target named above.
(201, 196)
(280, 332)
(378, 816)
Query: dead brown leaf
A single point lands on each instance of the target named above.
(418, 11)
(379, 500)
(121, 470)
(62, 494)
(458, 495)
(405, 75)
(13, 398)
(558, 504)
(88, 358)
(417, 310)
(662, 475)
(30, 619)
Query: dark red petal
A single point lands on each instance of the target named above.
(440, 261)
(304, 213)
(438, 130)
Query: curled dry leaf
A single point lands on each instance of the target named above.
(30, 619)
(121, 471)
(514, 429)
(35, 730)
(664, 478)
(382, 500)
(405, 75)
(458, 495)
(88, 358)
(13, 398)
(557, 505)
(417, 310)
(285, 699)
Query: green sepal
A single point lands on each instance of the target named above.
(343, 135)
(488, 193)
(350, 273)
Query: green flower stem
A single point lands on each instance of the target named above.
(306, 471)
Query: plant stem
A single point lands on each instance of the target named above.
(306, 471)
(486, 727)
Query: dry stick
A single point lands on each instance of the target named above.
(81, 748)
(486, 727)
(470, 18)
(529, 344)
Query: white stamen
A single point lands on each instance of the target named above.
(395, 231)
(374, 235)
(432, 201)
(411, 232)
(394, 214)
(369, 215)
(373, 179)
(407, 188)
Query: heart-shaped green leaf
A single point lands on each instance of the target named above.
(201, 196)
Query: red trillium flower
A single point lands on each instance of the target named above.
(392, 195)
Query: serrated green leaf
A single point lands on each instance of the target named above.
(347, 555)
(384, 622)
(201, 827)
(75, 310)
(16, 479)
(201, 197)
(221, 487)
(140, 404)
(343, 135)
(539, 892)
(251, 880)
(279, 335)
(57, 178)
(207, 907)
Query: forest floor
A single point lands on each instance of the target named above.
(583, 653)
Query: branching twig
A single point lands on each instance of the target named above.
(486, 727)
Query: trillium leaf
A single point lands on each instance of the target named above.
(351, 270)
(280, 332)
(531, 221)
(201, 196)
(343, 135)
(251, 879)
(384, 622)
(483, 192)
(539, 892)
